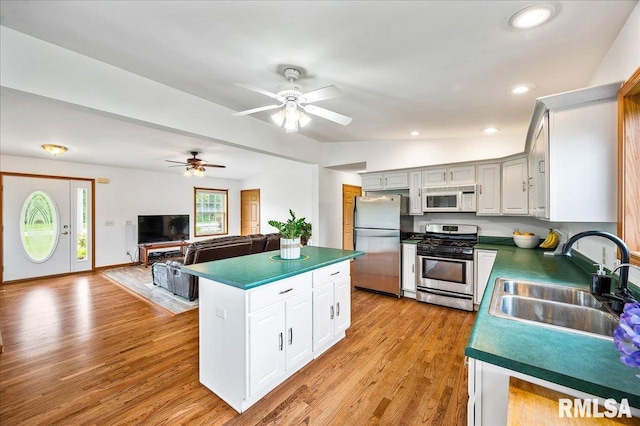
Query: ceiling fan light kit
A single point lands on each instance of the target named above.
(293, 103)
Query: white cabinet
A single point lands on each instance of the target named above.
(409, 253)
(331, 306)
(538, 171)
(515, 187)
(483, 261)
(280, 340)
(253, 340)
(573, 155)
(462, 175)
(489, 189)
(384, 181)
(415, 192)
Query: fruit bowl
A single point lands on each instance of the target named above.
(526, 241)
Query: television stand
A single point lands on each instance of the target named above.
(144, 249)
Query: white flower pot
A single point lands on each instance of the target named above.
(290, 248)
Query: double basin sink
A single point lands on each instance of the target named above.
(549, 305)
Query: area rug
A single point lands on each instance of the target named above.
(137, 279)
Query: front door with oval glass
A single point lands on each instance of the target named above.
(46, 227)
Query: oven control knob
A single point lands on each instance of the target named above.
(458, 250)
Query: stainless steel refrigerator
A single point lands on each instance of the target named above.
(379, 224)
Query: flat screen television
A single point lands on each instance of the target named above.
(159, 228)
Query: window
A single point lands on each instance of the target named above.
(82, 219)
(39, 226)
(628, 161)
(210, 211)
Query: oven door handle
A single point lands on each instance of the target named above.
(445, 293)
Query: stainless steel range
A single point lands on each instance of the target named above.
(445, 265)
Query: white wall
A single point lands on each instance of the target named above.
(280, 190)
(494, 226)
(331, 182)
(622, 59)
(128, 194)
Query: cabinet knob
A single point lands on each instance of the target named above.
(331, 312)
(290, 335)
(524, 186)
(281, 341)
(338, 309)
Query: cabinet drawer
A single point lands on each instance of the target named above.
(280, 290)
(330, 273)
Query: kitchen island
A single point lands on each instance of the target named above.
(575, 364)
(263, 318)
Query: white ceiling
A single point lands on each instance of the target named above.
(443, 68)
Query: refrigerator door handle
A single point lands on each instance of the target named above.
(354, 223)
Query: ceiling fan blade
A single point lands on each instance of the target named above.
(179, 162)
(262, 91)
(325, 113)
(252, 111)
(220, 166)
(179, 165)
(321, 94)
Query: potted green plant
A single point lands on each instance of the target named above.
(291, 231)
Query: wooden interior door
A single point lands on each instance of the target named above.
(349, 193)
(249, 211)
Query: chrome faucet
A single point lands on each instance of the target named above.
(622, 291)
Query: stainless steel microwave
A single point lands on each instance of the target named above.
(449, 199)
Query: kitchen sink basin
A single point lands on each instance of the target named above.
(565, 308)
(570, 295)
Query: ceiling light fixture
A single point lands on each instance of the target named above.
(519, 89)
(54, 149)
(531, 17)
(194, 171)
(415, 133)
(491, 130)
(290, 117)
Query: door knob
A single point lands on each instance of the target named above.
(64, 233)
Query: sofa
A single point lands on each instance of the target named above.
(169, 274)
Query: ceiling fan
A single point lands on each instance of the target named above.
(294, 102)
(194, 165)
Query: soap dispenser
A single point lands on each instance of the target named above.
(600, 282)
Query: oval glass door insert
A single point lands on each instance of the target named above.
(39, 226)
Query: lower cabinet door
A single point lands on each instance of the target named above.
(266, 347)
(342, 301)
(299, 338)
(323, 315)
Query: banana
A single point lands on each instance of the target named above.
(551, 241)
(548, 241)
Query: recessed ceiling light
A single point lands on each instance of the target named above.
(491, 130)
(415, 133)
(531, 16)
(519, 89)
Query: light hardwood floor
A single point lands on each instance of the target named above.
(80, 350)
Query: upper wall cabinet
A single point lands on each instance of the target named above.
(415, 192)
(449, 176)
(573, 152)
(383, 181)
(515, 187)
(488, 190)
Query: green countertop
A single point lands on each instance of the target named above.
(246, 272)
(578, 361)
